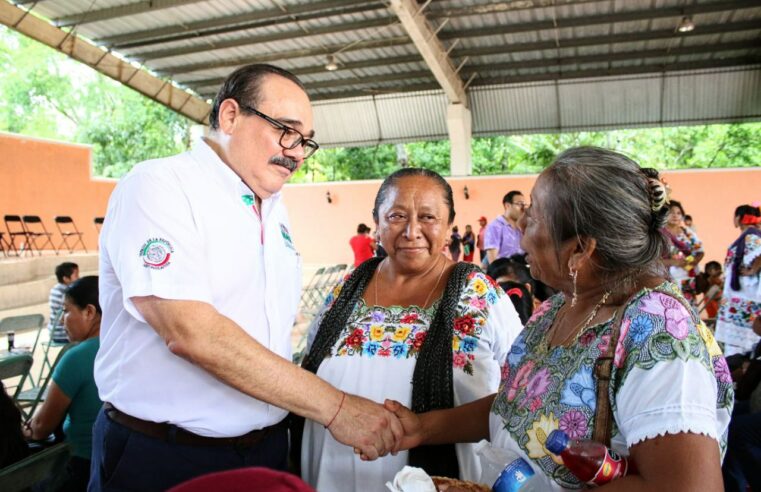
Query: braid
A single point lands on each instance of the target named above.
(336, 317)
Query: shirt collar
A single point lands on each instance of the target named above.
(210, 160)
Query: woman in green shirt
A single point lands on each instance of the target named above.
(72, 395)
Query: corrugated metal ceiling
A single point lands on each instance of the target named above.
(534, 64)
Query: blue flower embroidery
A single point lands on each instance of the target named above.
(378, 317)
(580, 390)
(370, 348)
(399, 350)
(640, 328)
(517, 351)
(491, 297)
(469, 344)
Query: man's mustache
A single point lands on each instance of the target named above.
(287, 163)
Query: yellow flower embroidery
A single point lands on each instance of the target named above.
(537, 436)
(337, 290)
(401, 333)
(710, 341)
(455, 343)
(480, 287)
(376, 333)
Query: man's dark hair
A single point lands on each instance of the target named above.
(65, 269)
(362, 228)
(244, 85)
(509, 197)
(713, 265)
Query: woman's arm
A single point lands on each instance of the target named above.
(435, 427)
(49, 415)
(674, 463)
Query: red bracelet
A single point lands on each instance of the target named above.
(339, 409)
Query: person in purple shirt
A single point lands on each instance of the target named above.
(503, 238)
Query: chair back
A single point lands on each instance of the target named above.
(35, 229)
(68, 230)
(15, 228)
(28, 400)
(22, 475)
(22, 322)
(15, 365)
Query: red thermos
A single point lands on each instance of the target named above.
(591, 462)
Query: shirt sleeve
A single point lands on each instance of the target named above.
(752, 249)
(492, 239)
(667, 382)
(68, 374)
(153, 244)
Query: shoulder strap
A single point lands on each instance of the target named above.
(603, 370)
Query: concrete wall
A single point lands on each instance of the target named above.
(50, 178)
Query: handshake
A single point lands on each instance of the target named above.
(375, 430)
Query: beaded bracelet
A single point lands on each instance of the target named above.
(339, 409)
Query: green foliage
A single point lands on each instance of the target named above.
(45, 94)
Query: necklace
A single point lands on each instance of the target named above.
(544, 347)
(425, 303)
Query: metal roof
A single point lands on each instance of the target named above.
(528, 65)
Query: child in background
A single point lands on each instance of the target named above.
(711, 284)
(514, 279)
(65, 273)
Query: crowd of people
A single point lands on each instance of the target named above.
(586, 312)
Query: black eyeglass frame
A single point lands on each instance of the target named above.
(307, 143)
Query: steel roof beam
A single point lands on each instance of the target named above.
(267, 38)
(433, 52)
(160, 90)
(620, 71)
(327, 50)
(237, 22)
(136, 8)
(562, 23)
(548, 63)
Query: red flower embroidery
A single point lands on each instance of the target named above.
(384, 352)
(355, 339)
(587, 338)
(465, 324)
(417, 342)
(409, 319)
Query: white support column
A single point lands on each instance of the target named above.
(459, 128)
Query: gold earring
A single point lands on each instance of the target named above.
(573, 275)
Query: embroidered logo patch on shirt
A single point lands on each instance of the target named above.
(248, 199)
(287, 237)
(156, 253)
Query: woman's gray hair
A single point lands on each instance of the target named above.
(601, 194)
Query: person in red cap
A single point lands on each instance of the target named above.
(480, 242)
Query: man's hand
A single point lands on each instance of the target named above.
(368, 427)
(411, 422)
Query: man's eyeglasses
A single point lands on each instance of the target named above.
(290, 138)
(522, 205)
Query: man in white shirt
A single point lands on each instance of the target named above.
(200, 282)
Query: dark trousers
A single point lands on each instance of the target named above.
(125, 460)
(742, 463)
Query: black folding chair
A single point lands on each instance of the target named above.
(46, 464)
(15, 227)
(4, 245)
(35, 229)
(67, 228)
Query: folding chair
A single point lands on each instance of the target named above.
(306, 302)
(4, 245)
(67, 228)
(98, 221)
(22, 475)
(15, 365)
(28, 400)
(35, 229)
(15, 228)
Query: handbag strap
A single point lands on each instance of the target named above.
(603, 371)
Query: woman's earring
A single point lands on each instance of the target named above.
(574, 274)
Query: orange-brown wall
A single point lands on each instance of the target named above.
(46, 178)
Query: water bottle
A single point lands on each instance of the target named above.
(506, 471)
(11, 340)
(590, 461)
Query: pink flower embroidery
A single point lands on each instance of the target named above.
(676, 316)
(587, 338)
(604, 342)
(722, 370)
(538, 383)
(478, 303)
(543, 308)
(521, 378)
(536, 404)
(574, 423)
(620, 355)
(505, 371)
(459, 360)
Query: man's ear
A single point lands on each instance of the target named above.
(581, 255)
(229, 114)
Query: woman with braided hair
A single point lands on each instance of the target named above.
(618, 355)
(415, 327)
(742, 285)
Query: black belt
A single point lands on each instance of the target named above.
(167, 432)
